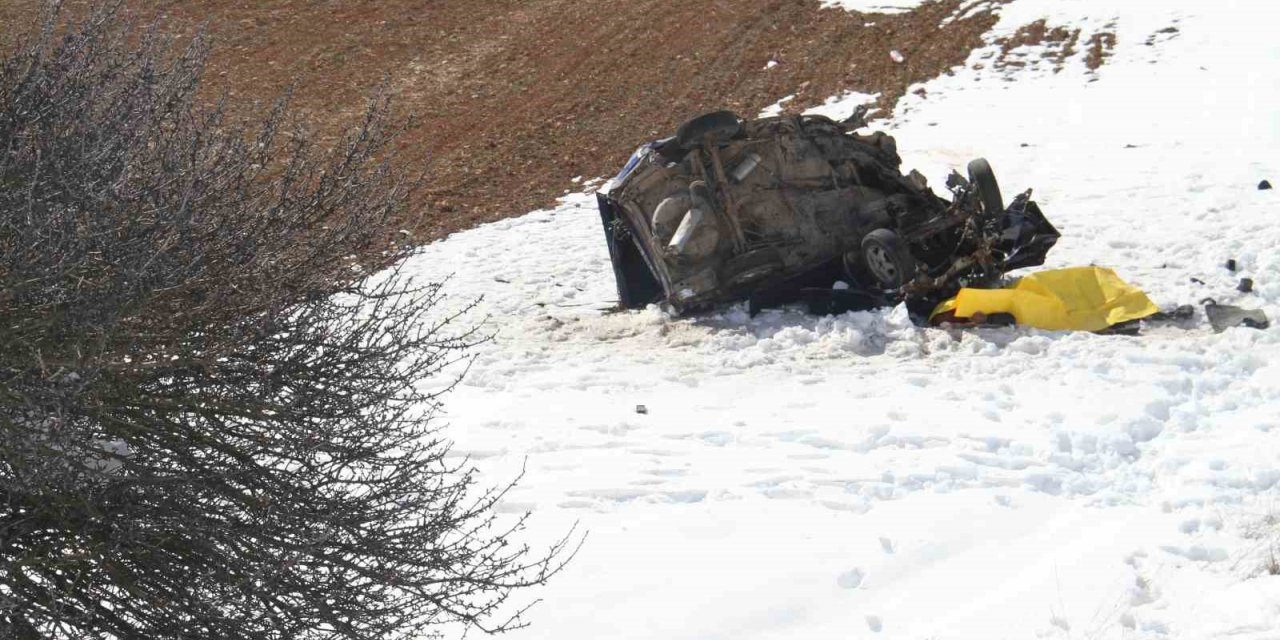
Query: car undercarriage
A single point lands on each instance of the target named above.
(767, 209)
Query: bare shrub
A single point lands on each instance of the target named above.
(209, 426)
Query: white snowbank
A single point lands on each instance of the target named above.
(856, 476)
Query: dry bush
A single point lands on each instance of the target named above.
(208, 427)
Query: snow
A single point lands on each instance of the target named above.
(842, 106)
(776, 108)
(873, 6)
(857, 476)
(835, 107)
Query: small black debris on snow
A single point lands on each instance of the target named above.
(1264, 186)
(1245, 286)
(1181, 312)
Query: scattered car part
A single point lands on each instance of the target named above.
(1245, 286)
(731, 209)
(1222, 316)
(1181, 312)
(1231, 265)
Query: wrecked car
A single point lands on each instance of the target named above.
(761, 210)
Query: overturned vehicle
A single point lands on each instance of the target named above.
(777, 209)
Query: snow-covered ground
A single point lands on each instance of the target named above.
(857, 476)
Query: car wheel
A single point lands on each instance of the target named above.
(852, 267)
(887, 259)
(984, 180)
(713, 127)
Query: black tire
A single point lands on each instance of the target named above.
(715, 127)
(854, 269)
(983, 180)
(887, 260)
(671, 150)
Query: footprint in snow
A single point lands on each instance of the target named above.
(1198, 553)
(851, 579)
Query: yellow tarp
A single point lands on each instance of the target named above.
(1079, 298)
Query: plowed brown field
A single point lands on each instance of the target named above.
(513, 98)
